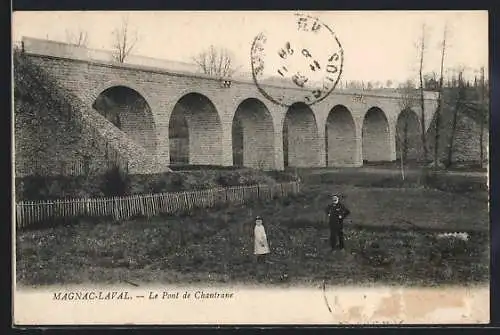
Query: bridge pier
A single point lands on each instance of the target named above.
(227, 144)
(392, 142)
(321, 147)
(163, 149)
(358, 155)
(278, 149)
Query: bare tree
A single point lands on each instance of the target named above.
(408, 98)
(440, 102)
(421, 49)
(431, 81)
(408, 95)
(78, 38)
(216, 62)
(124, 41)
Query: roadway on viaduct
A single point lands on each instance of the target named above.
(339, 131)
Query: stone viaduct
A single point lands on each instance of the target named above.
(341, 130)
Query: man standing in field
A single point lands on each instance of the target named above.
(336, 213)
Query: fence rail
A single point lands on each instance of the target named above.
(30, 213)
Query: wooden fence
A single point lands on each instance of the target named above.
(29, 213)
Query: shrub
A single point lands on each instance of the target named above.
(282, 176)
(454, 183)
(48, 187)
(34, 188)
(231, 179)
(375, 255)
(159, 186)
(115, 183)
(447, 248)
(177, 182)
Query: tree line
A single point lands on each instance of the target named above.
(456, 94)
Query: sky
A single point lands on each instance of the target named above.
(378, 45)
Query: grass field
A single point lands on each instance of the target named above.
(391, 239)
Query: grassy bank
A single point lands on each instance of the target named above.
(391, 239)
(465, 183)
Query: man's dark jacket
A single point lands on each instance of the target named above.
(334, 211)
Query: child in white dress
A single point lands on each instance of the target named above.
(261, 247)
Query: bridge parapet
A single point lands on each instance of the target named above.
(64, 50)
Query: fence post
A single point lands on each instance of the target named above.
(115, 209)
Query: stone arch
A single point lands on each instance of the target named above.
(252, 135)
(130, 112)
(301, 147)
(376, 136)
(340, 137)
(195, 131)
(408, 136)
(112, 83)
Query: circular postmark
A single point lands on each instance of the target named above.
(305, 59)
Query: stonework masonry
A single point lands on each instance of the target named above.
(210, 108)
(342, 145)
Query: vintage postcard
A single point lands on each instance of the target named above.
(281, 167)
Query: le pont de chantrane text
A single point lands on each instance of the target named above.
(125, 295)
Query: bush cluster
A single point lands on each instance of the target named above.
(36, 187)
(116, 182)
(454, 183)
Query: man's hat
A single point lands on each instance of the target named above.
(258, 218)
